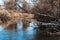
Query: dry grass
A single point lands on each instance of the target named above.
(12, 17)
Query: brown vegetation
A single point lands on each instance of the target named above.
(43, 11)
(11, 17)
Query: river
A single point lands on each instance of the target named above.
(28, 34)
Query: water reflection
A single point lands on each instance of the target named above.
(1, 28)
(28, 34)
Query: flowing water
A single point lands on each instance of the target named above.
(28, 34)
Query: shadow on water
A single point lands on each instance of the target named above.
(28, 34)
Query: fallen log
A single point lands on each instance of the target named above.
(45, 18)
(49, 24)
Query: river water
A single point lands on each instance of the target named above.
(19, 34)
(28, 34)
